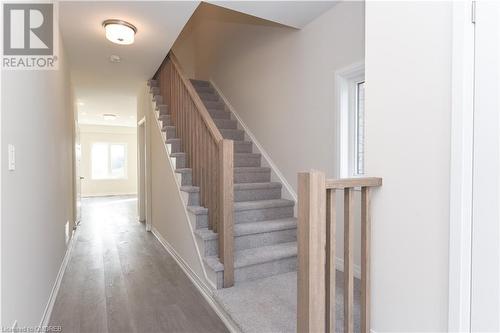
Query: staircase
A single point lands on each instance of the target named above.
(265, 229)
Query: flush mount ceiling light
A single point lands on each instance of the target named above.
(119, 32)
(109, 116)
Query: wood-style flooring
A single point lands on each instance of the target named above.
(120, 279)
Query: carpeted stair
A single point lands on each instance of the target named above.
(265, 228)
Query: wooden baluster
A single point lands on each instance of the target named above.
(348, 258)
(331, 212)
(217, 167)
(226, 240)
(311, 252)
(365, 258)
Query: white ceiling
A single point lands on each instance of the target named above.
(295, 14)
(104, 87)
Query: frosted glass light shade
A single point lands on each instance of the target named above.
(119, 32)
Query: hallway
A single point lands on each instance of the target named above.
(121, 279)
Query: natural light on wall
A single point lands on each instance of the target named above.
(109, 161)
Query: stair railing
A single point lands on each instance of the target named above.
(209, 155)
(316, 251)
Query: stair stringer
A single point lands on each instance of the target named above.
(287, 191)
(207, 281)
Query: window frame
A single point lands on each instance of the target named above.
(346, 81)
(109, 171)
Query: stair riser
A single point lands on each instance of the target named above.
(252, 177)
(158, 99)
(247, 161)
(226, 123)
(193, 198)
(180, 162)
(198, 84)
(214, 105)
(152, 83)
(219, 114)
(154, 90)
(186, 178)
(201, 221)
(203, 90)
(162, 109)
(254, 215)
(166, 121)
(242, 147)
(237, 135)
(260, 271)
(252, 241)
(175, 147)
(208, 97)
(170, 132)
(257, 194)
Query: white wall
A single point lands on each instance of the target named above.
(90, 134)
(408, 110)
(279, 80)
(166, 210)
(37, 198)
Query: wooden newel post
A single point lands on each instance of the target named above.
(311, 240)
(226, 214)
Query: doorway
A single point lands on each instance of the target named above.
(485, 270)
(474, 284)
(142, 173)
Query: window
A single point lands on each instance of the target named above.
(109, 160)
(350, 85)
(359, 144)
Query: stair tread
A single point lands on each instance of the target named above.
(247, 154)
(242, 143)
(251, 228)
(197, 210)
(200, 83)
(253, 186)
(177, 154)
(183, 170)
(173, 140)
(254, 256)
(190, 188)
(262, 204)
(252, 169)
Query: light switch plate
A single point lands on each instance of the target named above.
(12, 157)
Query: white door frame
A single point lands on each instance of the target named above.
(144, 179)
(141, 167)
(461, 168)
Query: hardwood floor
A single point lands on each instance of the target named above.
(121, 279)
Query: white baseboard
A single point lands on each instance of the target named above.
(55, 289)
(339, 265)
(289, 192)
(206, 292)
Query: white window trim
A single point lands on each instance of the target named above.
(109, 144)
(462, 109)
(345, 86)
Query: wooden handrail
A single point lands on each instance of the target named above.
(353, 182)
(209, 155)
(316, 246)
(202, 109)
